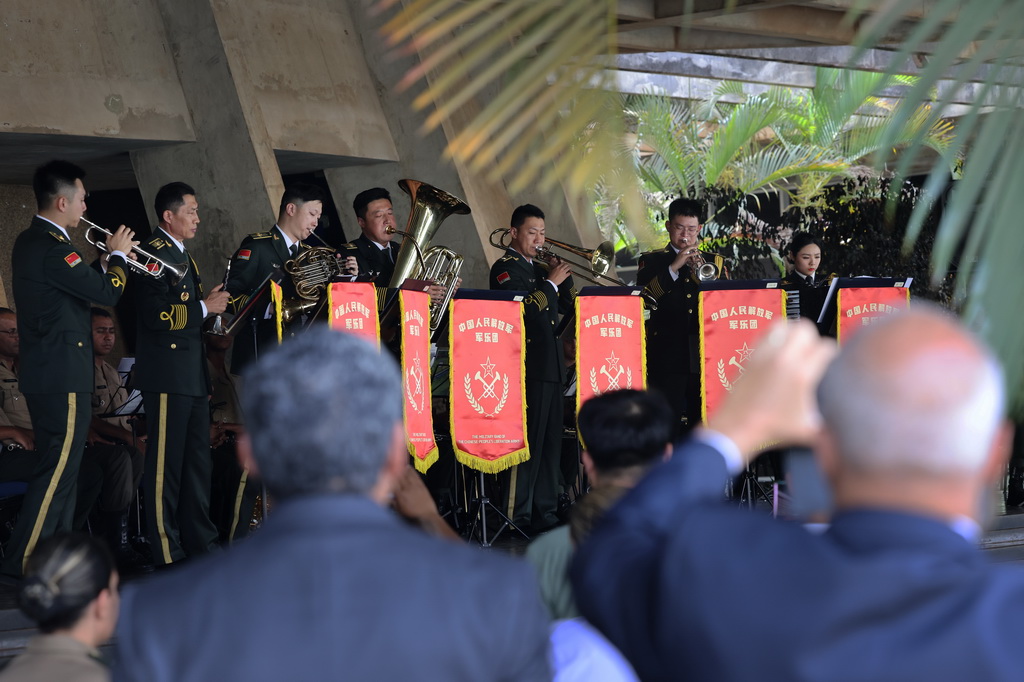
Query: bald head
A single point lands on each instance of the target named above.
(914, 393)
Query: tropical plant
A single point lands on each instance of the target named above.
(541, 58)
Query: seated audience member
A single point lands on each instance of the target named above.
(105, 472)
(333, 576)
(112, 462)
(623, 434)
(912, 441)
(578, 650)
(70, 591)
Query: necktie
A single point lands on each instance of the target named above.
(391, 255)
(295, 249)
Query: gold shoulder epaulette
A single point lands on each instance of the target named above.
(158, 243)
(350, 246)
(260, 235)
(506, 258)
(58, 236)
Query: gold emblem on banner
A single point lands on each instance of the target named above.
(487, 378)
(744, 355)
(613, 371)
(414, 386)
(184, 296)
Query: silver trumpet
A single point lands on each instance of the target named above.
(700, 269)
(148, 263)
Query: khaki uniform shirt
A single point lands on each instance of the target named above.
(56, 657)
(13, 407)
(108, 394)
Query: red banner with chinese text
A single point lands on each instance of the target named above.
(414, 307)
(732, 322)
(861, 307)
(352, 308)
(488, 390)
(610, 345)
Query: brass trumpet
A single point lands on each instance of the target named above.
(700, 269)
(176, 271)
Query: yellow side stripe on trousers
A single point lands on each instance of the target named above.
(161, 451)
(65, 450)
(238, 505)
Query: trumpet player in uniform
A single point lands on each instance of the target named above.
(534, 485)
(170, 371)
(262, 253)
(669, 277)
(53, 291)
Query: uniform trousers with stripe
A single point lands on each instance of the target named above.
(233, 496)
(60, 422)
(533, 486)
(177, 476)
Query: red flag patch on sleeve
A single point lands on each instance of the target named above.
(244, 254)
(72, 259)
(503, 277)
(153, 267)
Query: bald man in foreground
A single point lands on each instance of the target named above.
(912, 439)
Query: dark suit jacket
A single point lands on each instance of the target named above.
(373, 260)
(53, 290)
(257, 256)
(544, 358)
(672, 330)
(690, 587)
(170, 357)
(336, 587)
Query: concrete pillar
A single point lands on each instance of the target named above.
(231, 164)
(421, 157)
(17, 206)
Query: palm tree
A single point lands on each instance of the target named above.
(543, 59)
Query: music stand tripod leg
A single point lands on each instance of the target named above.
(480, 504)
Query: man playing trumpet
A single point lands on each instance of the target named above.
(670, 277)
(53, 291)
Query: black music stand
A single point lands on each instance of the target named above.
(827, 320)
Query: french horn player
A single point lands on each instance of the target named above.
(259, 255)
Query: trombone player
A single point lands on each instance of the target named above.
(534, 485)
(53, 292)
(671, 277)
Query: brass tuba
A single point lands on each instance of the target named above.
(430, 207)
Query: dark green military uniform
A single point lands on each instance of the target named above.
(53, 291)
(673, 343)
(534, 484)
(259, 255)
(170, 370)
(373, 260)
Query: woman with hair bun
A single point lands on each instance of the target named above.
(70, 591)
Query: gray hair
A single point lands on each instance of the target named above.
(914, 392)
(320, 411)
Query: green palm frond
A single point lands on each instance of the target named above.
(771, 165)
(979, 231)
